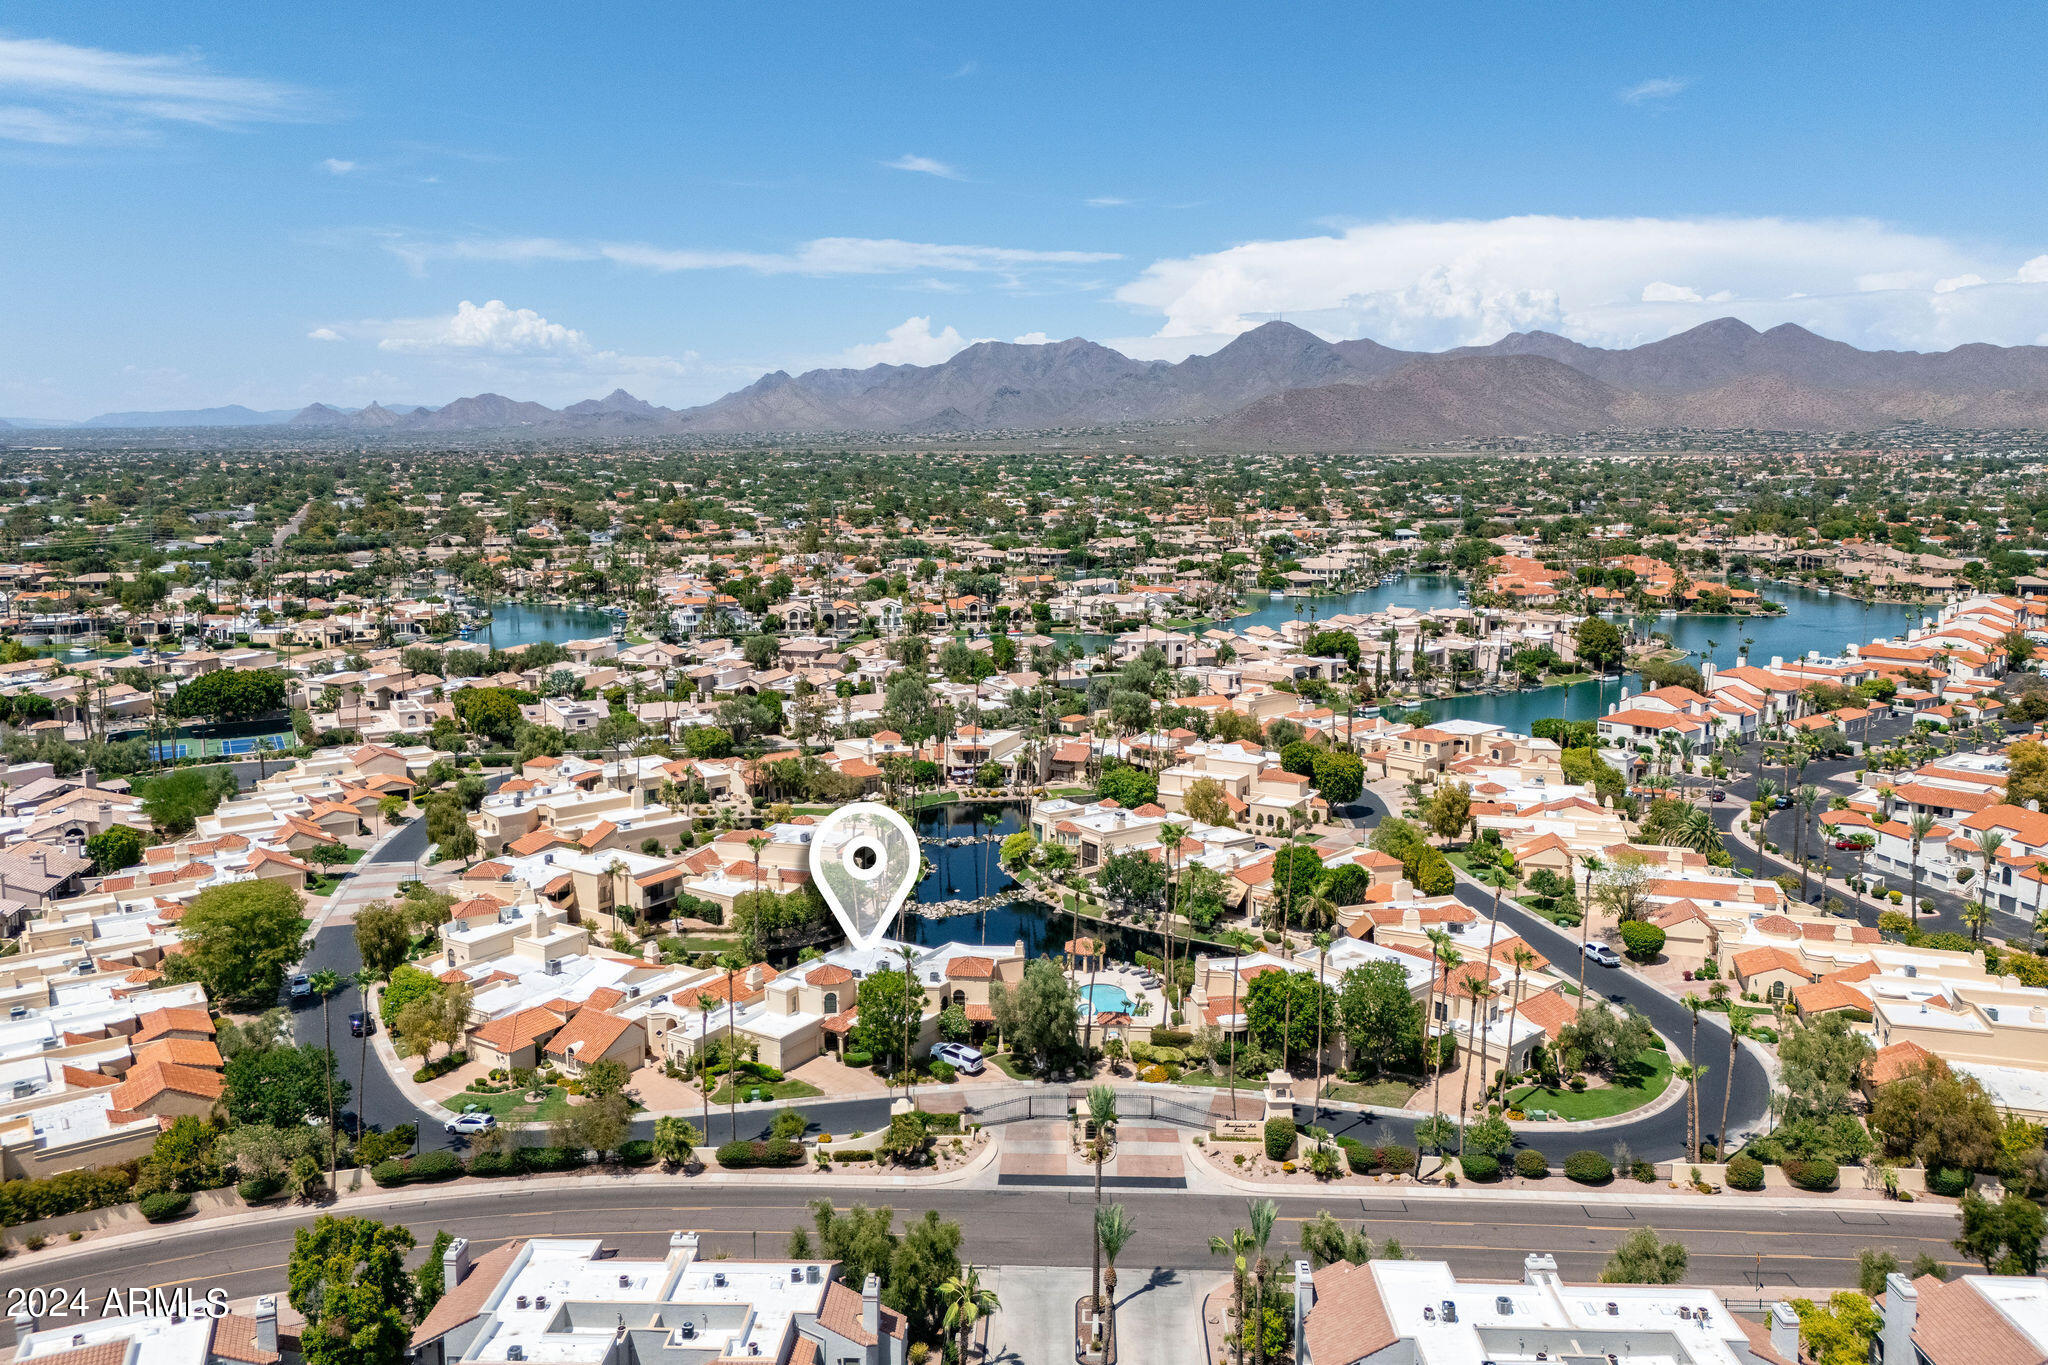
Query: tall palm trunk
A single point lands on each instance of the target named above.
(1472, 987)
(327, 1042)
(732, 1057)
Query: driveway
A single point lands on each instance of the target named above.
(1158, 1314)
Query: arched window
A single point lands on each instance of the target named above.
(831, 1002)
(1777, 990)
(959, 997)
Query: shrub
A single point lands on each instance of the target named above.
(1814, 1173)
(638, 1152)
(1171, 1037)
(1279, 1138)
(944, 1073)
(492, 1164)
(258, 1188)
(164, 1205)
(1588, 1168)
(431, 1166)
(543, 1160)
(1745, 1173)
(1357, 1156)
(389, 1172)
(1479, 1166)
(1642, 941)
(1948, 1181)
(1154, 1074)
(1396, 1160)
(89, 1187)
(1531, 1164)
(773, 1152)
(859, 1059)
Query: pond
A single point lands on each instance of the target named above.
(970, 871)
(513, 624)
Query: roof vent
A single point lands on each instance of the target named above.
(625, 1281)
(1504, 1305)
(1613, 1309)
(718, 1280)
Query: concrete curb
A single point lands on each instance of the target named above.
(1205, 1173)
(372, 1198)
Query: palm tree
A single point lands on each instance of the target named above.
(1805, 799)
(1237, 1245)
(1738, 1024)
(1101, 1113)
(706, 1003)
(1263, 1213)
(1322, 942)
(754, 846)
(733, 963)
(1988, 844)
(913, 1018)
(1114, 1229)
(991, 817)
(1170, 835)
(967, 1302)
(1693, 1003)
(1592, 864)
(1920, 826)
(1476, 989)
(1975, 915)
(1524, 960)
(325, 983)
(1445, 959)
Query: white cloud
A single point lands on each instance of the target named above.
(822, 256)
(923, 165)
(1949, 286)
(1656, 291)
(1106, 201)
(1655, 89)
(492, 327)
(59, 94)
(1033, 339)
(909, 342)
(323, 334)
(964, 70)
(1600, 280)
(334, 165)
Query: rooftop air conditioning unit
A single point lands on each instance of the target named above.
(688, 1331)
(515, 1352)
(18, 1012)
(718, 1280)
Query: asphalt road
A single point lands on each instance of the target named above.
(1804, 1248)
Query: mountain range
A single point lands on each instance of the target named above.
(1278, 385)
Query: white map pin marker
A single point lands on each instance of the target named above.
(864, 858)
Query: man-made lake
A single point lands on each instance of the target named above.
(1811, 621)
(513, 624)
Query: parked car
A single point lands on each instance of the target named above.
(1845, 843)
(302, 986)
(962, 1058)
(1602, 955)
(471, 1123)
(1717, 794)
(1781, 802)
(361, 1024)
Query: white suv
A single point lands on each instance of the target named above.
(962, 1058)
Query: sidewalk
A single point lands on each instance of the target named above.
(370, 1198)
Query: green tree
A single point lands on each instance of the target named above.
(1643, 1259)
(1841, 1332)
(967, 1302)
(2005, 1238)
(1133, 879)
(114, 848)
(347, 1277)
(1283, 1011)
(861, 1239)
(1823, 1063)
(1381, 1022)
(1339, 776)
(1038, 1017)
(1447, 812)
(1127, 786)
(281, 1086)
(430, 1280)
(384, 934)
(676, 1140)
(1939, 1118)
(1599, 644)
(240, 938)
(925, 1258)
(230, 694)
(175, 800)
(891, 1004)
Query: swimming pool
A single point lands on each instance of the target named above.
(1104, 999)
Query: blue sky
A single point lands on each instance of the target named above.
(280, 204)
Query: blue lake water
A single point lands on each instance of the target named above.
(513, 624)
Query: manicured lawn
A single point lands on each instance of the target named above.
(511, 1106)
(710, 945)
(1387, 1094)
(1221, 1082)
(1011, 1067)
(322, 883)
(1653, 1073)
(777, 1090)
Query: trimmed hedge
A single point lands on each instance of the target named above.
(1480, 1167)
(1531, 1164)
(860, 1059)
(1745, 1173)
(738, 1156)
(638, 1152)
(90, 1187)
(1817, 1173)
(1588, 1168)
(1641, 940)
(1280, 1134)
(428, 1167)
(1392, 1159)
(1948, 1181)
(258, 1188)
(1171, 1037)
(164, 1205)
(492, 1164)
(389, 1173)
(547, 1160)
